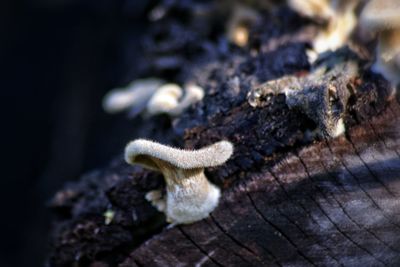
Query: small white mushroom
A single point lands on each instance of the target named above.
(382, 17)
(155, 197)
(165, 99)
(193, 94)
(108, 216)
(190, 197)
(239, 24)
(137, 93)
(339, 16)
(337, 32)
(169, 100)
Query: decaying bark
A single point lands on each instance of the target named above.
(332, 203)
(292, 194)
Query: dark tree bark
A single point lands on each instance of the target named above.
(331, 202)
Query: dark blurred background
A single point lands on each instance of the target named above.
(58, 58)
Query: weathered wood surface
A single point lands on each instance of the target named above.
(332, 203)
(287, 200)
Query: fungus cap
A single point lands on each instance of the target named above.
(138, 91)
(380, 15)
(193, 94)
(165, 99)
(196, 92)
(142, 151)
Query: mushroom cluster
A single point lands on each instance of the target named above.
(190, 196)
(168, 99)
(339, 20)
(153, 96)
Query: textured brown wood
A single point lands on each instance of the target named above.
(332, 203)
(288, 198)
